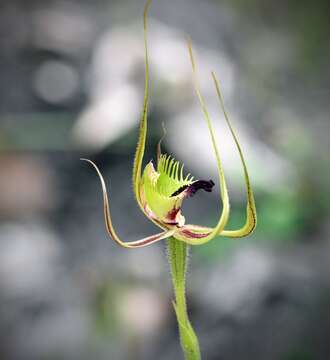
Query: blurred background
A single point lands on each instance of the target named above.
(72, 80)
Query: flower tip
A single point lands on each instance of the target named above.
(87, 160)
(93, 164)
(207, 185)
(198, 185)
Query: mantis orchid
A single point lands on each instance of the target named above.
(160, 192)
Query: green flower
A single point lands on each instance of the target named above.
(160, 190)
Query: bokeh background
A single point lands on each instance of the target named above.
(72, 77)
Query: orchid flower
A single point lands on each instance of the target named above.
(160, 191)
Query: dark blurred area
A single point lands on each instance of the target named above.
(72, 82)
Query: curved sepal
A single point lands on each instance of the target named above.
(223, 187)
(109, 226)
(137, 166)
(251, 212)
(195, 234)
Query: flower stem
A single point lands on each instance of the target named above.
(177, 254)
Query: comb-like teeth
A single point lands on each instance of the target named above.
(176, 171)
(181, 173)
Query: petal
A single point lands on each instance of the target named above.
(108, 222)
(192, 236)
(251, 212)
(137, 166)
(223, 187)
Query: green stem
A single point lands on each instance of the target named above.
(177, 254)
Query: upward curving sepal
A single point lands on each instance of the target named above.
(251, 212)
(223, 218)
(108, 222)
(137, 166)
(196, 234)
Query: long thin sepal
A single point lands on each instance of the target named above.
(137, 166)
(223, 187)
(251, 212)
(108, 222)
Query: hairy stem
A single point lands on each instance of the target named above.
(177, 254)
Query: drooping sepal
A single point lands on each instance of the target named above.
(110, 228)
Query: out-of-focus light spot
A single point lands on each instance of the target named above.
(141, 311)
(56, 82)
(115, 58)
(119, 59)
(237, 287)
(64, 30)
(107, 119)
(275, 51)
(169, 54)
(267, 169)
(66, 328)
(153, 257)
(27, 259)
(26, 186)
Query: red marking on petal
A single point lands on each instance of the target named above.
(153, 216)
(193, 235)
(148, 240)
(149, 212)
(171, 215)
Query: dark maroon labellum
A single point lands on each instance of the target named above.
(194, 187)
